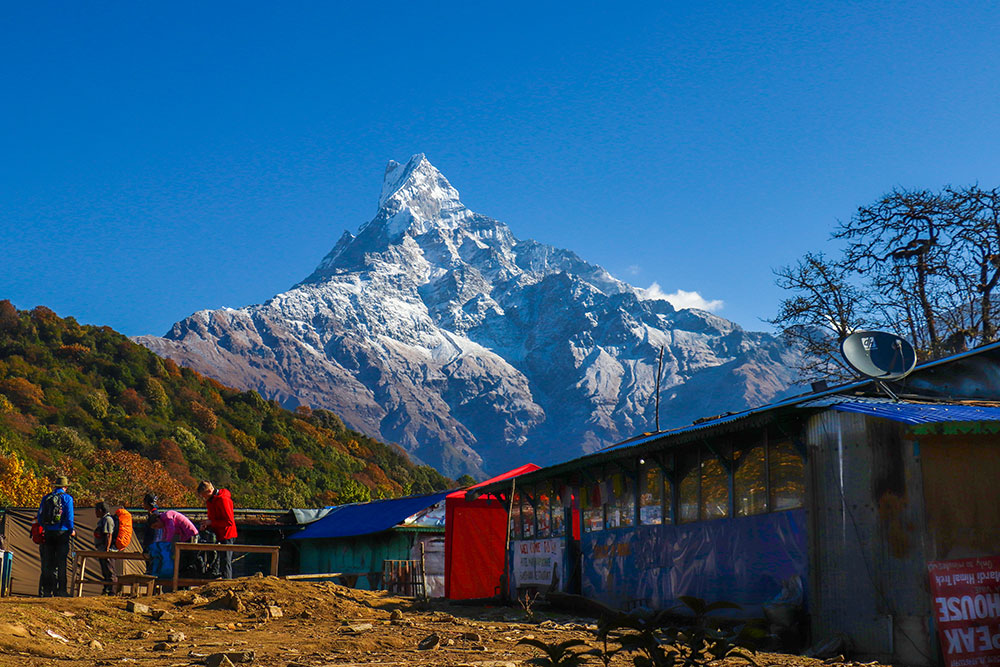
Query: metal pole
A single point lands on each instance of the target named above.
(659, 371)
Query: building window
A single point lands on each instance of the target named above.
(714, 487)
(612, 505)
(787, 470)
(668, 500)
(543, 512)
(750, 481)
(650, 495)
(593, 510)
(527, 515)
(558, 510)
(515, 517)
(625, 498)
(689, 487)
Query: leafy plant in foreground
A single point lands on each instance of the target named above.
(559, 655)
(657, 641)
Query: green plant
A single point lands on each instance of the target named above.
(559, 655)
(657, 641)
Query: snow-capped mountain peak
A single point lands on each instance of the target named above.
(436, 328)
(415, 197)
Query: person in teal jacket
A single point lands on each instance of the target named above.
(55, 515)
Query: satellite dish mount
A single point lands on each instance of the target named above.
(879, 355)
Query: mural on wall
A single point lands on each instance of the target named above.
(744, 560)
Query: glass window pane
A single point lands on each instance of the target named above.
(668, 500)
(515, 517)
(750, 482)
(612, 514)
(527, 516)
(690, 481)
(593, 511)
(543, 512)
(714, 487)
(626, 500)
(651, 495)
(787, 469)
(558, 511)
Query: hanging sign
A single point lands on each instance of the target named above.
(538, 563)
(966, 601)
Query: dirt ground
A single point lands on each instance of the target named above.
(286, 624)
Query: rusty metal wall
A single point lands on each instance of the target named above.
(960, 475)
(867, 551)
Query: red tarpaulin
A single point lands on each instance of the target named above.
(475, 536)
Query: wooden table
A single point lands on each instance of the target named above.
(242, 548)
(80, 565)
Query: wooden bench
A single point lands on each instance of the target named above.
(136, 583)
(78, 578)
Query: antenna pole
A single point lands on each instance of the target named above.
(659, 371)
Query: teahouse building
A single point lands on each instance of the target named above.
(841, 497)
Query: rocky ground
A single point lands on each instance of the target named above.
(274, 622)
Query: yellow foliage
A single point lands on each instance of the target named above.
(18, 485)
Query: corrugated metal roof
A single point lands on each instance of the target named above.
(763, 413)
(367, 518)
(909, 412)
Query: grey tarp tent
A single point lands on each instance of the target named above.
(16, 533)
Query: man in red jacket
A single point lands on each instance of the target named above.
(220, 518)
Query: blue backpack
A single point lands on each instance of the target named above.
(161, 560)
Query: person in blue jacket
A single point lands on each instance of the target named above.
(55, 514)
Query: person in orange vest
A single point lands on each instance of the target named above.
(104, 541)
(222, 522)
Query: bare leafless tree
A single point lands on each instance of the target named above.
(825, 308)
(900, 244)
(922, 264)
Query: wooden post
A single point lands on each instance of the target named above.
(423, 571)
(177, 566)
(505, 578)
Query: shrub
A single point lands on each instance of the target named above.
(22, 393)
(204, 418)
(156, 394)
(132, 402)
(97, 404)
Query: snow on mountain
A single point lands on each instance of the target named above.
(435, 328)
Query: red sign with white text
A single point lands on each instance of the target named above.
(966, 601)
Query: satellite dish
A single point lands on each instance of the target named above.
(879, 355)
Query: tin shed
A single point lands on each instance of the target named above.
(356, 539)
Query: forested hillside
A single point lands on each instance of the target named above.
(119, 421)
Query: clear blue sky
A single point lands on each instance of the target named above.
(161, 158)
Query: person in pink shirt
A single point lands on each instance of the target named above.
(172, 526)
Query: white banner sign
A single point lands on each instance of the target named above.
(539, 563)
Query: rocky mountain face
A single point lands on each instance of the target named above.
(435, 328)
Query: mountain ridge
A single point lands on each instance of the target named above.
(435, 327)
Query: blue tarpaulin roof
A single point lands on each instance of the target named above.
(367, 518)
(909, 413)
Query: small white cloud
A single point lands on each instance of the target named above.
(682, 299)
(634, 270)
